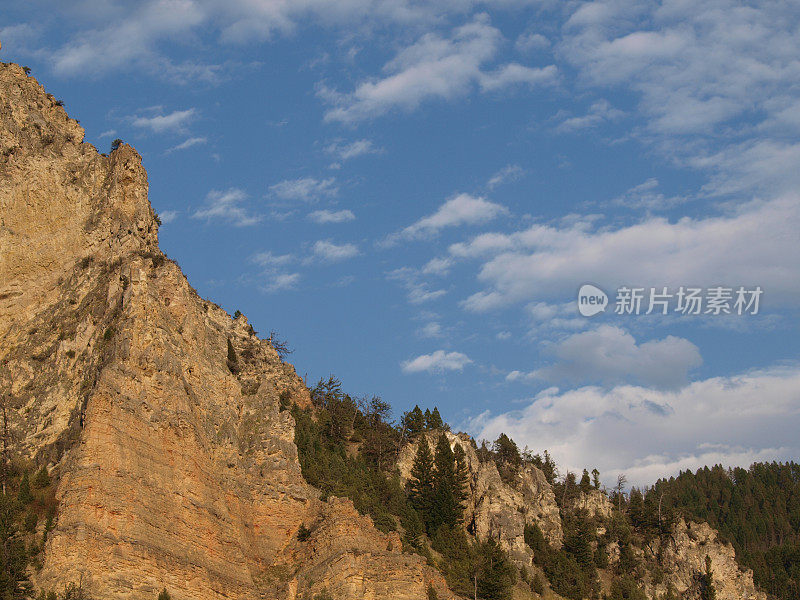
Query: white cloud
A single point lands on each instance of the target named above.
(270, 261)
(431, 330)
(277, 282)
(462, 209)
(305, 189)
(108, 133)
(753, 244)
(438, 266)
(418, 291)
(530, 41)
(437, 362)
(168, 216)
(694, 65)
(610, 355)
(505, 175)
(174, 121)
(193, 141)
(329, 216)
(599, 112)
(352, 150)
(329, 252)
(226, 206)
(646, 196)
(435, 68)
(649, 433)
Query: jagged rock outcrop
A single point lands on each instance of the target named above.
(495, 509)
(683, 559)
(594, 502)
(159, 415)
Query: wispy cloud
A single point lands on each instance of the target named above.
(344, 151)
(328, 216)
(417, 291)
(505, 175)
(168, 216)
(227, 206)
(193, 141)
(305, 189)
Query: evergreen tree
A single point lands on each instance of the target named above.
(461, 481)
(506, 451)
(596, 479)
(427, 416)
(414, 421)
(42, 478)
(421, 483)
(494, 574)
(448, 488)
(434, 421)
(24, 495)
(586, 483)
(164, 595)
(708, 591)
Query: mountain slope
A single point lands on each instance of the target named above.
(157, 413)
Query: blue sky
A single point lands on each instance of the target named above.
(411, 193)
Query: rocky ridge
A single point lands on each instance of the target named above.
(160, 415)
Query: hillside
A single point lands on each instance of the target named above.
(151, 441)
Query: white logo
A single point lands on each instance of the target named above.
(591, 300)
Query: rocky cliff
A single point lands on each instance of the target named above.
(496, 509)
(157, 413)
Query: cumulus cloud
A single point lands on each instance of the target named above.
(610, 355)
(227, 206)
(174, 121)
(648, 433)
(462, 209)
(329, 216)
(437, 362)
(327, 251)
(305, 189)
(436, 67)
(753, 244)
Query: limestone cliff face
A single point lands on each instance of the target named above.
(176, 466)
(684, 559)
(495, 509)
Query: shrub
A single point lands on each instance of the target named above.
(303, 533)
(164, 595)
(116, 144)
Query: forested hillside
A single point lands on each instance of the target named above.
(755, 509)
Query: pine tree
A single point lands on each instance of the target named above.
(586, 483)
(414, 421)
(708, 591)
(427, 416)
(506, 450)
(421, 483)
(435, 420)
(24, 492)
(447, 508)
(596, 479)
(494, 574)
